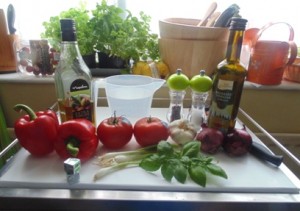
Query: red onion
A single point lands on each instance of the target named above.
(238, 142)
(211, 139)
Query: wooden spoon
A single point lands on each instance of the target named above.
(211, 9)
(212, 19)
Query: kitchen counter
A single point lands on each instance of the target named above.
(277, 190)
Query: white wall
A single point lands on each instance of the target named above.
(31, 13)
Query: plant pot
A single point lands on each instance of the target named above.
(90, 60)
(105, 72)
(106, 61)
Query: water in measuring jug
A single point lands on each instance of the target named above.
(131, 95)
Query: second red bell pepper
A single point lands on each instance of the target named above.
(76, 138)
(36, 131)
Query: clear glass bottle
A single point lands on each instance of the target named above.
(73, 79)
(176, 105)
(228, 81)
(197, 114)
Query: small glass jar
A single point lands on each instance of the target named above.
(176, 105)
(35, 57)
(197, 113)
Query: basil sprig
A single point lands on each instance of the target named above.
(179, 164)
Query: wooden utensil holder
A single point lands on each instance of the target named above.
(8, 62)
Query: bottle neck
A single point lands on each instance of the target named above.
(68, 35)
(234, 45)
(69, 43)
(70, 49)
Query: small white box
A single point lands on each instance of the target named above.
(72, 166)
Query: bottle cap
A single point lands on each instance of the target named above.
(238, 23)
(68, 30)
(67, 24)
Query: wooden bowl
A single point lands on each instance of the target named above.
(187, 29)
(192, 55)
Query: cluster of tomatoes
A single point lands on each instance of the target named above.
(116, 131)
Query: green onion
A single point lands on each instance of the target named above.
(5, 139)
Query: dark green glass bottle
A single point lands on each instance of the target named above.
(228, 81)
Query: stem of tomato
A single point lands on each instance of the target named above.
(149, 120)
(114, 119)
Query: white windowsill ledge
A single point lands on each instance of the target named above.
(19, 78)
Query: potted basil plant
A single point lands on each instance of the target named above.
(115, 34)
(123, 39)
(85, 41)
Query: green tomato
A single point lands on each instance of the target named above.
(201, 82)
(178, 81)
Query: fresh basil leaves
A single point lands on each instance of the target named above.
(179, 164)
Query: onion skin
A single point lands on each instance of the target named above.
(238, 142)
(211, 139)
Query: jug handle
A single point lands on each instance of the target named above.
(293, 52)
(259, 33)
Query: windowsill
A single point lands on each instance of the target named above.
(23, 78)
(19, 78)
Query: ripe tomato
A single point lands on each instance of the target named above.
(115, 132)
(150, 130)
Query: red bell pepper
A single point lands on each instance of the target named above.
(76, 138)
(36, 131)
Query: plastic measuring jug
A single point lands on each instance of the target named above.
(131, 95)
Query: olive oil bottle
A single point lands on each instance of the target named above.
(228, 81)
(73, 80)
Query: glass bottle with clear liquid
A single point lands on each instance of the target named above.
(228, 81)
(73, 80)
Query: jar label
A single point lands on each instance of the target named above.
(80, 99)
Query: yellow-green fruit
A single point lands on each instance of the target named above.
(178, 81)
(163, 69)
(201, 82)
(141, 68)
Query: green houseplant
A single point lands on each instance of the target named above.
(86, 42)
(109, 30)
(84, 31)
(126, 38)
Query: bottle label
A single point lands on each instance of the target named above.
(222, 105)
(223, 94)
(80, 99)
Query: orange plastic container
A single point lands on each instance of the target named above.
(269, 58)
